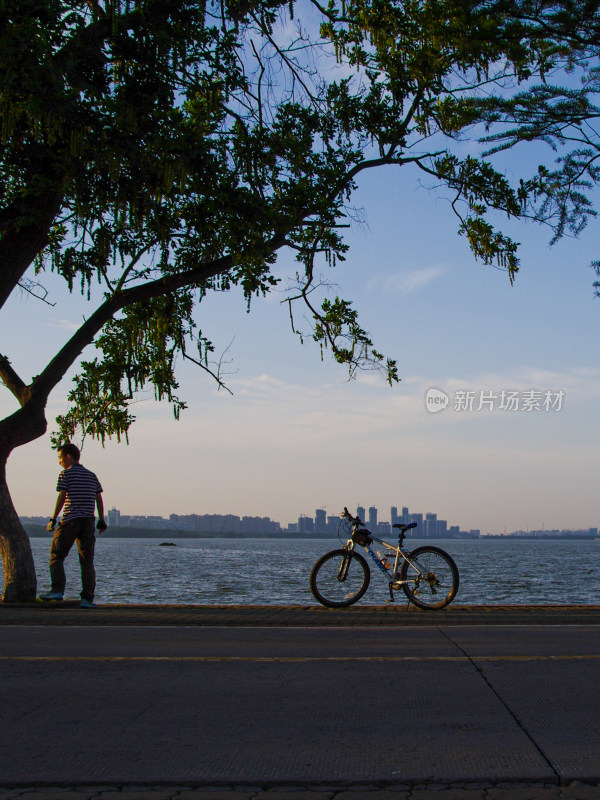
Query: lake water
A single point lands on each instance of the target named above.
(276, 571)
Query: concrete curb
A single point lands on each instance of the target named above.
(68, 612)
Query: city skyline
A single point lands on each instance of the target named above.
(428, 524)
(321, 520)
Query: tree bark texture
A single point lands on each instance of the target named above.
(20, 585)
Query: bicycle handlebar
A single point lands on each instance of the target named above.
(347, 515)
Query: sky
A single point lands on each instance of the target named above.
(297, 435)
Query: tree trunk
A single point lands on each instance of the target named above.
(20, 584)
(25, 425)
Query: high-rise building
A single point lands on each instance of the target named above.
(418, 531)
(394, 515)
(320, 520)
(114, 518)
(372, 517)
(305, 524)
(333, 525)
(360, 512)
(430, 526)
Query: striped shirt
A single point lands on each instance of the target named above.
(81, 487)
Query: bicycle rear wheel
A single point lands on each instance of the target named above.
(339, 578)
(432, 577)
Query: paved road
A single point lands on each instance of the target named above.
(380, 710)
(450, 703)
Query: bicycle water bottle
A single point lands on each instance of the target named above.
(384, 560)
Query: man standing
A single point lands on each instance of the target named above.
(78, 491)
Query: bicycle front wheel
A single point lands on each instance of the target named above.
(431, 577)
(339, 578)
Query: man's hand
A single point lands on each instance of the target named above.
(51, 524)
(101, 526)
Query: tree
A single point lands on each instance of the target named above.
(157, 150)
(566, 119)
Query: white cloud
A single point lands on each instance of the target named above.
(266, 387)
(406, 281)
(584, 382)
(64, 325)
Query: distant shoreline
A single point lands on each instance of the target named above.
(38, 531)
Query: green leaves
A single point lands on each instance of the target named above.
(336, 327)
(564, 118)
(98, 408)
(490, 246)
(139, 349)
(480, 187)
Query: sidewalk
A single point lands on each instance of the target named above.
(69, 613)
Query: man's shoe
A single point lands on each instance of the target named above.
(87, 604)
(50, 596)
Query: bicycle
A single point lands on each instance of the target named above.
(427, 575)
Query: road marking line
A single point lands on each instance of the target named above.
(284, 659)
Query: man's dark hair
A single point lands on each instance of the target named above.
(70, 450)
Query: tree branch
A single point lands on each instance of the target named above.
(84, 336)
(11, 380)
(20, 246)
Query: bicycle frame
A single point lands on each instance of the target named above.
(393, 571)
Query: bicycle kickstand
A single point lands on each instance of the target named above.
(392, 599)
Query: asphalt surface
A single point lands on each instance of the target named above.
(266, 703)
